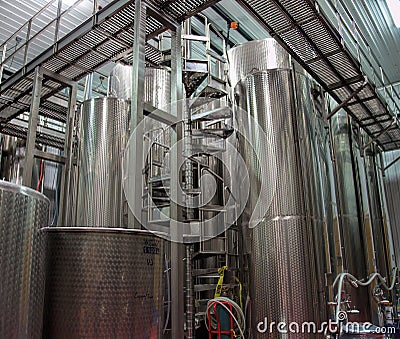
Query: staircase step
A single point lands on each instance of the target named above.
(207, 149)
(203, 271)
(218, 132)
(215, 208)
(204, 287)
(215, 276)
(207, 254)
(210, 87)
(194, 73)
(214, 114)
(193, 191)
(159, 178)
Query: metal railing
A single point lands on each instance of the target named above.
(26, 38)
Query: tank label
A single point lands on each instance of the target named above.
(151, 247)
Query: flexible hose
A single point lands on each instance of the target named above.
(356, 282)
(40, 176)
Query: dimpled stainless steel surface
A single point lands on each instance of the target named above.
(157, 85)
(392, 193)
(104, 135)
(120, 82)
(348, 196)
(259, 55)
(22, 213)
(375, 206)
(103, 283)
(310, 134)
(283, 284)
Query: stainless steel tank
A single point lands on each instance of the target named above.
(103, 283)
(282, 277)
(12, 160)
(157, 85)
(355, 250)
(120, 82)
(22, 213)
(104, 135)
(376, 209)
(391, 187)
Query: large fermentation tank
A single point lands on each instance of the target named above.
(22, 213)
(104, 135)
(378, 225)
(281, 247)
(355, 250)
(103, 283)
(391, 189)
(157, 84)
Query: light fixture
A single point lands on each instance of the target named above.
(394, 8)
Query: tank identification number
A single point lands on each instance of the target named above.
(151, 247)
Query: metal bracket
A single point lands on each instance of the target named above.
(345, 102)
(49, 157)
(391, 164)
(362, 148)
(32, 127)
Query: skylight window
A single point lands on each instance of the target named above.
(394, 8)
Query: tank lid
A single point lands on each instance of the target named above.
(256, 56)
(9, 186)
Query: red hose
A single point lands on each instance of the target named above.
(40, 176)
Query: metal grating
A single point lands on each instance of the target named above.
(41, 138)
(107, 36)
(316, 45)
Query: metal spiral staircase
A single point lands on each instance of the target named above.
(206, 129)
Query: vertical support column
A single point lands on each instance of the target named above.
(136, 149)
(3, 57)
(28, 37)
(177, 247)
(32, 126)
(95, 6)
(57, 29)
(66, 172)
